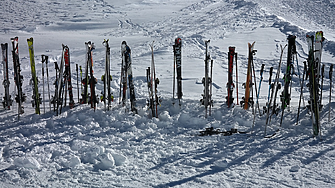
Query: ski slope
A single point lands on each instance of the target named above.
(83, 148)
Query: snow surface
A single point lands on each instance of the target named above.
(83, 148)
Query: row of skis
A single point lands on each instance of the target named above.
(313, 74)
(63, 79)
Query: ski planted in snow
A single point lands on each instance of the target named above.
(67, 76)
(18, 78)
(34, 81)
(286, 94)
(230, 85)
(7, 102)
(127, 72)
(153, 82)
(247, 100)
(207, 82)
(314, 63)
(177, 66)
(107, 96)
(91, 80)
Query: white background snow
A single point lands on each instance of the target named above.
(83, 148)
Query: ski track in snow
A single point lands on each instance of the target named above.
(83, 148)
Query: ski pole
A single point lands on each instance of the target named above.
(330, 89)
(301, 88)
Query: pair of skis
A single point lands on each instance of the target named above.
(63, 82)
(18, 78)
(7, 102)
(89, 79)
(207, 82)
(230, 84)
(126, 72)
(107, 96)
(313, 70)
(247, 100)
(153, 82)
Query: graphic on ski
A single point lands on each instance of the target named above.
(7, 102)
(127, 72)
(207, 82)
(36, 96)
(177, 66)
(230, 85)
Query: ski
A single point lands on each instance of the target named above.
(18, 78)
(43, 84)
(85, 81)
(247, 100)
(60, 83)
(67, 75)
(314, 61)
(177, 66)
(207, 81)
(230, 85)
(127, 72)
(7, 99)
(36, 96)
(107, 96)
(236, 79)
(321, 87)
(54, 100)
(92, 80)
(77, 71)
(286, 94)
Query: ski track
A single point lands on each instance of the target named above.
(82, 148)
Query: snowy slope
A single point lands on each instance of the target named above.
(83, 148)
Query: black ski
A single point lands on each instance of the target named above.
(7, 98)
(177, 66)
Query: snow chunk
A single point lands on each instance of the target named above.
(27, 162)
(295, 168)
(106, 161)
(119, 159)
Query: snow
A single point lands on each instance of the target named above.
(86, 148)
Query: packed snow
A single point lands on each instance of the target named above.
(86, 148)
